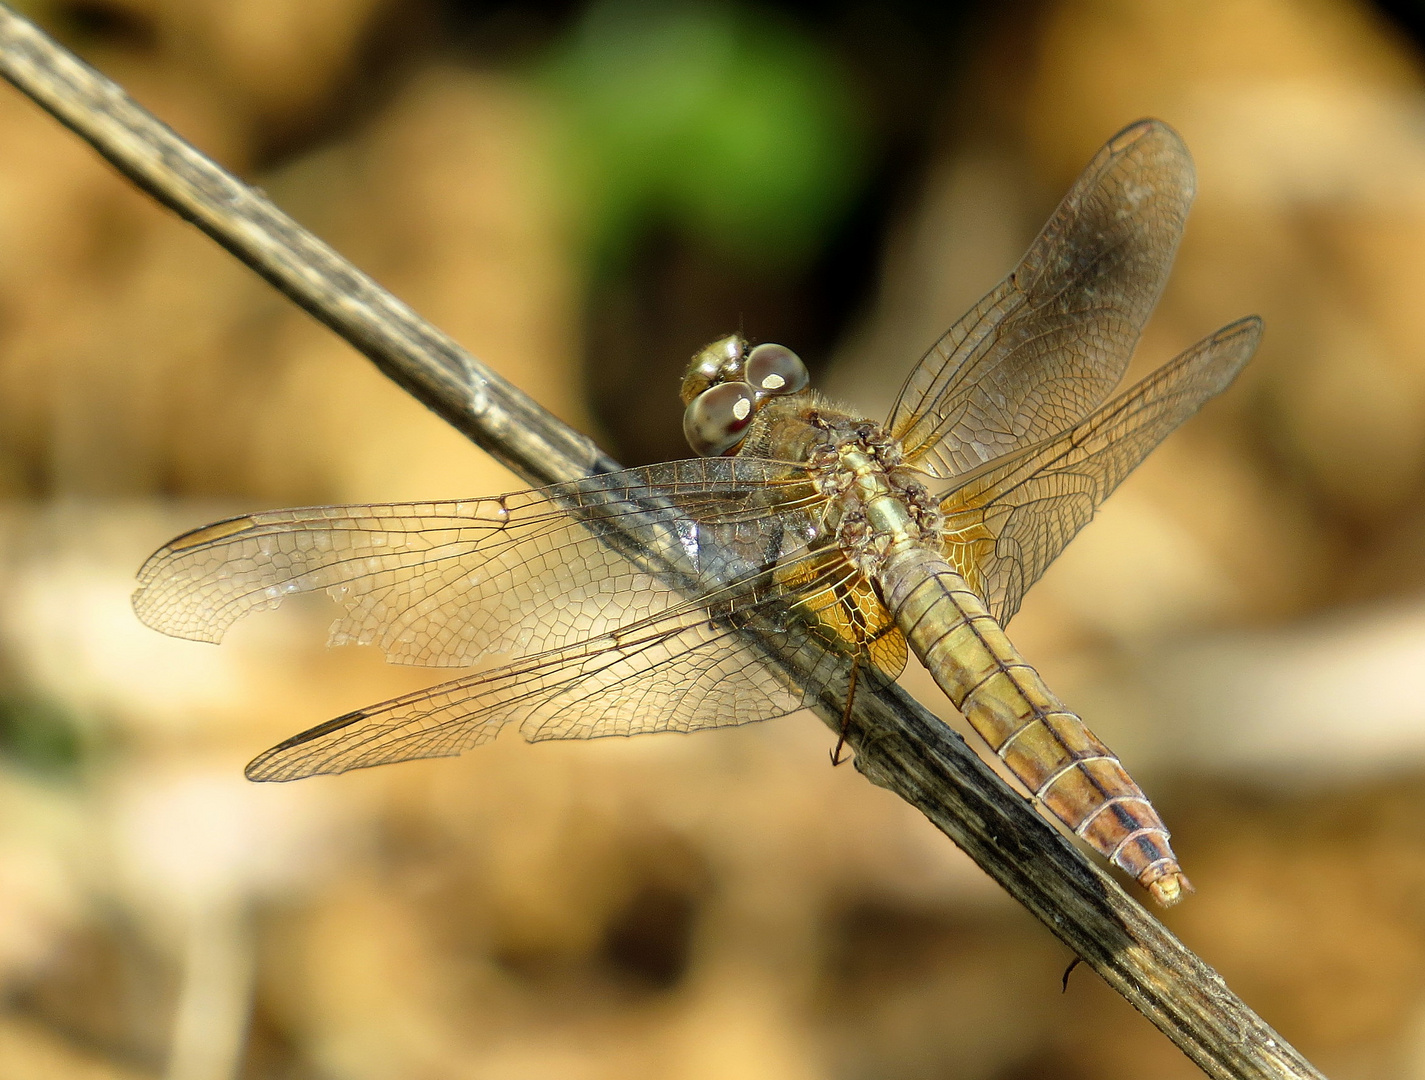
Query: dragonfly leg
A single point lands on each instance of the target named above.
(836, 758)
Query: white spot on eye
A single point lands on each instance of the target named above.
(773, 382)
(741, 408)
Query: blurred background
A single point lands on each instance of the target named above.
(584, 194)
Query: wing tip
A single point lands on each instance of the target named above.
(1239, 339)
(1155, 138)
(1248, 324)
(205, 534)
(269, 765)
(153, 615)
(150, 606)
(1144, 128)
(1131, 133)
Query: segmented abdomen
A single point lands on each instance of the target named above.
(1042, 742)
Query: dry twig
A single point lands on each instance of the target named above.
(899, 745)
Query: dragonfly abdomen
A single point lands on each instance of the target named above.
(1047, 747)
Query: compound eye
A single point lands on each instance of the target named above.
(775, 369)
(719, 362)
(716, 420)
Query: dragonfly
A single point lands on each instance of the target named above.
(850, 542)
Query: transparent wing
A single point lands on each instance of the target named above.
(615, 650)
(679, 670)
(444, 583)
(1010, 519)
(1043, 349)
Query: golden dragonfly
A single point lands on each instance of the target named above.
(858, 541)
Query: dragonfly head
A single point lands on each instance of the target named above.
(726, 384)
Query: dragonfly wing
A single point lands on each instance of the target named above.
(679, 670)
(1009, 520)
(443, 583)
(1043, 349)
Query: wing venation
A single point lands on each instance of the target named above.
(1010, 519)
(680, 670)
(444, 583)
(1052, 340)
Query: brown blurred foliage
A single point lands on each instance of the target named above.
(1243, 624)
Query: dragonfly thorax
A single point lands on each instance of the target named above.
(876, 507)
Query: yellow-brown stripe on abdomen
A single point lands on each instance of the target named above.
(1046, 746)
(1078, 779)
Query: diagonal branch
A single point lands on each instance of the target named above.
(899, 745)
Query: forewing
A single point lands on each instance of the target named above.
(444, 583)
(1010, 519)
(679, 670)
(1043, 349)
